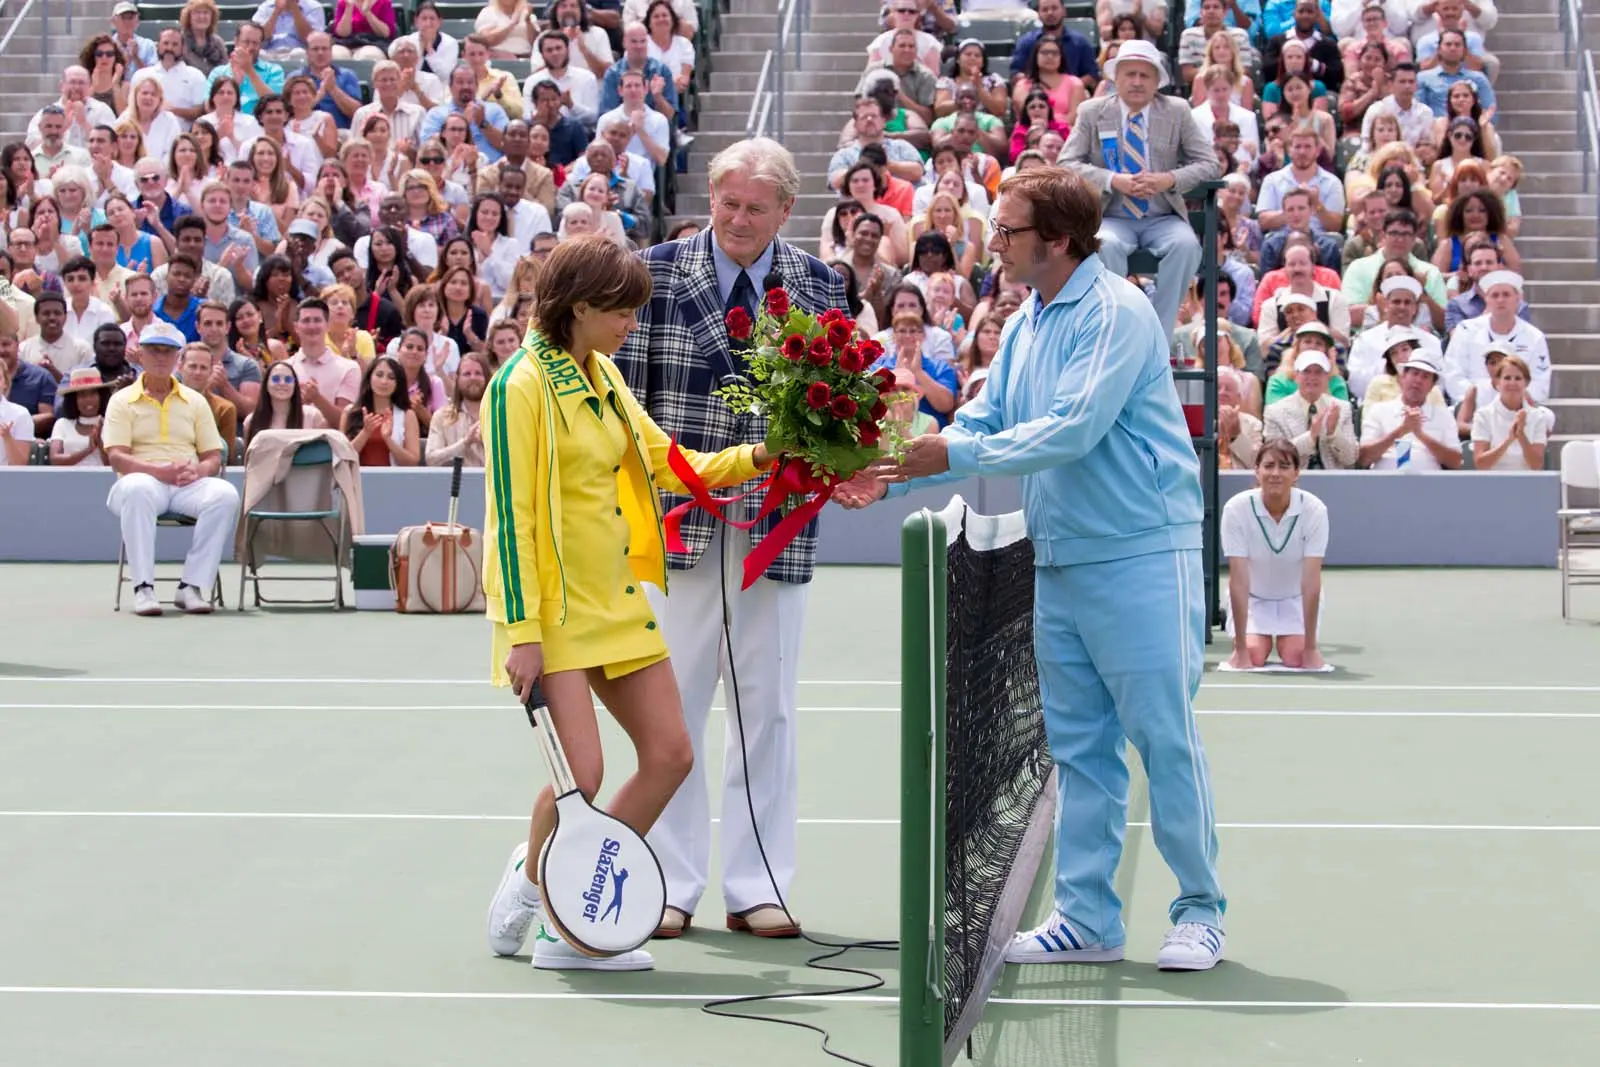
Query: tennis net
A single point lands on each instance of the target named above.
(977, 793)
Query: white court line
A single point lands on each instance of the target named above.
(852, 998)
(1311, 684)
(375, 816)
(1249, 713)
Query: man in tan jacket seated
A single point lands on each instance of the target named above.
(455, 431)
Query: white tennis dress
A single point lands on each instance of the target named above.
(1276, 551)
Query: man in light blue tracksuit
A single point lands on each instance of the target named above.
(1080, 403)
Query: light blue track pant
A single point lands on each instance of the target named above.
(1119, 648)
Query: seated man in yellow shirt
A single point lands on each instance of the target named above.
(161, 439)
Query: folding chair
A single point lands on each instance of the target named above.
(168, 519)
(312, 454)
(1580, 526)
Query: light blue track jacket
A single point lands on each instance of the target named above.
(1080, 403)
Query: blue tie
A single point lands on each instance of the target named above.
(1133, 162)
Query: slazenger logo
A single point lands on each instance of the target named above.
(605, 873)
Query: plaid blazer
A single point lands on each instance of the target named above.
(679, 355)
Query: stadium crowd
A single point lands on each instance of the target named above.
(339, 211)
(1368, 296)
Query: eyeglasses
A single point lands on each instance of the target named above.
(1461, 135)
(1399, 233)
(1006, 233)
(431, 160)
(281, 379)
(149, 177)
(103, 54)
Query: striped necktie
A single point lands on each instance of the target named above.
(1133, 162)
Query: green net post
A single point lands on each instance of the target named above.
(923, 584)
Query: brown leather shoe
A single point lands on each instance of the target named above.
(764, 920)
(674, 923)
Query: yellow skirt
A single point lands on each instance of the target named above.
(625, 640)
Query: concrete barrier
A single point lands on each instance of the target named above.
(1459, 519)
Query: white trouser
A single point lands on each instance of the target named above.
(765, 621)
(137, 499)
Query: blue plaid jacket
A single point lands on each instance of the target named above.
(679, 355)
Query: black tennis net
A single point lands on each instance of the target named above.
(999, 790)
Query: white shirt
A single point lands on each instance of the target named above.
(1465, 362)
(123, 181)
(164, 129)
(1407, 453)
(1365, 361)
(1244, 118)
(528, 220)
(678, 54)
(181, 86)
(95, 313)
(1275, 550)
(1492, 424)
(67, 352)
(15, 416)
(73, 441)
(297, 149)
(245, 130)
(431, 85)
(1416, 122)
(446, 54)
(635, 10)
(578, 82)
(655, 126)
(641, 172)
(928, 48)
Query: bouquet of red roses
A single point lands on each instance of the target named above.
(808, 376)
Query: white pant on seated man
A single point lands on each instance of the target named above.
(162, 440)
(139, 499)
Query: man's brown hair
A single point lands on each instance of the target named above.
(1064, 207)
(594, 270)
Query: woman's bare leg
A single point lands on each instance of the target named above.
(1259, 646)
(647, 706)
(571, 709)
(1292, 649)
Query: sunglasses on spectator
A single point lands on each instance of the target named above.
(432, 159)
(149, 177)
(104, 54)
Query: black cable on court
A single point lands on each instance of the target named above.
(833, 949)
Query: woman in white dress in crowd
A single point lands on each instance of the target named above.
(1510, 432)
(1274, 537)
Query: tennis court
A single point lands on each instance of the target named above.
(271, 839)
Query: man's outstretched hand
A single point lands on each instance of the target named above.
(864, 489)
(924, 457)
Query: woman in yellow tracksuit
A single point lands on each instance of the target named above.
(573, 529)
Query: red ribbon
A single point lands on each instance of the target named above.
(786, 481)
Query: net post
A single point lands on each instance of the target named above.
(923, 586)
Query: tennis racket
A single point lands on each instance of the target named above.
(602, 884)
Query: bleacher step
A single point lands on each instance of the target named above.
(1566, 318)
(1579, 381)
(1576, 415)
(750, 61)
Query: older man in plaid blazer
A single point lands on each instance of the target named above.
(750, 640)
(1142, 150)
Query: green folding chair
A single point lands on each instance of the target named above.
(312, 454)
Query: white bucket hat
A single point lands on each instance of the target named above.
(1143, 51)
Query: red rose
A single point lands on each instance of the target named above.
(821, 351)
(818, 396)
(879, 410)
(885, 378)
(871, 350)
(739, 324)
(777, 303)
(838, 334)
(869, 434)
(843, 407)
(850, 360)
(794, 346)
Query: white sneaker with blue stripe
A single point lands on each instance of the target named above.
(1058, 941)
(1191, 947)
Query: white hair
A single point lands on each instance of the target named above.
(759, 159)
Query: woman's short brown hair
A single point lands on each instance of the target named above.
(1064, 207)
(1280, 448)
(594, 270)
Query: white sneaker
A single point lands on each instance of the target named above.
(145, 602)
(551, 953)
(191, 600)
(511, 917)
(1057, 941)
(1191, 947)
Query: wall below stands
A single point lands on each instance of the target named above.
(1462, 519)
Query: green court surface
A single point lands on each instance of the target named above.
(270, 839)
